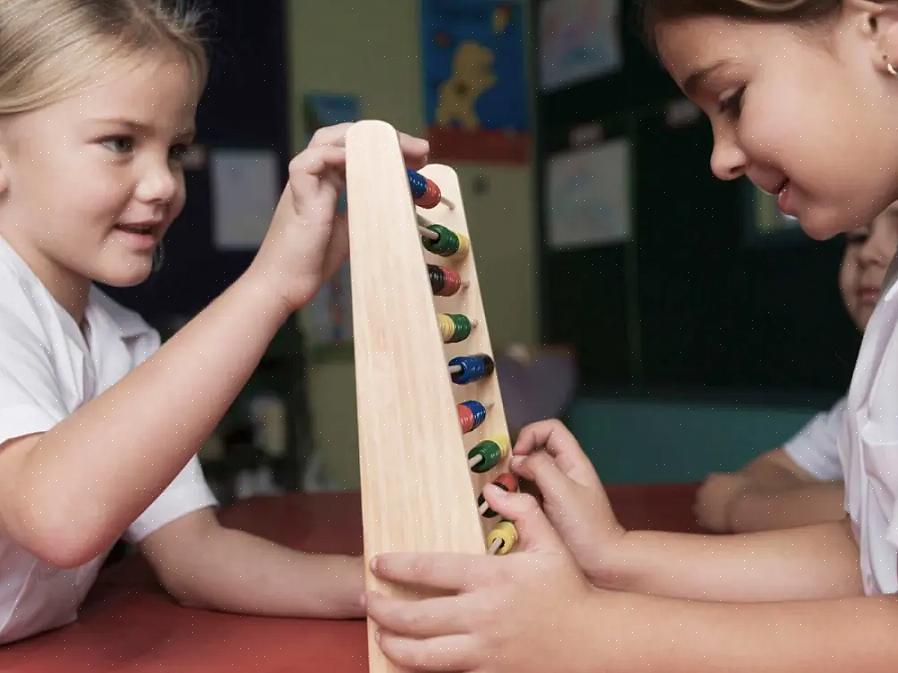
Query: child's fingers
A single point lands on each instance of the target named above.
(314, 168)
(330, 135)
(541, 469)
(550, 435)
(534, 529)
(446, 572)
(415, 150)
(553, 437)
(444, 653)
(421, 618)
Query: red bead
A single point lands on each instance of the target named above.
(431, 196)
(507, 481)
(465, 418)
(451, 282)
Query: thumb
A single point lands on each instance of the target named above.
(535, 533)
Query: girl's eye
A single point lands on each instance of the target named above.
(732, 104)
(118, 144)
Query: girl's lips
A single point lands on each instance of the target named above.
(868, 295)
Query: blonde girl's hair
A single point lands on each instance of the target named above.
(51, 48)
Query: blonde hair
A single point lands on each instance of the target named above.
(50, 48)
(650, 12)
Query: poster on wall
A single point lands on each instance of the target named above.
(588, 196)
(328, 319)
(245, 190)
(475, 88)
(578, 40)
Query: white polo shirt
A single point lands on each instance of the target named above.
(869, 446)
(815, 448)
(48, 369)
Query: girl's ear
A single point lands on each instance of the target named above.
(4, 161)
(4, 173)
(879, 26)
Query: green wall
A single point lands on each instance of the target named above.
(372, 50)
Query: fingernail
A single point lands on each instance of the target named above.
(517, 461)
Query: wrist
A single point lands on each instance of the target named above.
(612, 568)
(264, 289)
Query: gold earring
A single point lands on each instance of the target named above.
(889, 67)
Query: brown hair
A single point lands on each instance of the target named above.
(651, 12)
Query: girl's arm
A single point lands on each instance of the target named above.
(800, 563)
(67, 494)
(533, 610)
(812, 562)
(202, 564)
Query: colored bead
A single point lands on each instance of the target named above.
(473, 367)
(487, 454)
(454, 327)
(470, 415)
(508, 483)
(448, 244)
(425, 192)
(444, 282)
(431, 197)
(502, 539)
(417, 183)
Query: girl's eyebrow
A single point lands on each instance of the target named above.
(139, 127)
(697, 79)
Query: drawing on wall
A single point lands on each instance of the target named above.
(475, 85)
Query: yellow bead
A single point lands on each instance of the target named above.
(504, 446)
(447, 327)
(464, 246)
(504, 532)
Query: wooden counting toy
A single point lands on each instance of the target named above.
(432, 428)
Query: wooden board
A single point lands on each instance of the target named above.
(418, 493)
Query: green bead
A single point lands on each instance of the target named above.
(462, 327)
(491, 453)
(446, 245)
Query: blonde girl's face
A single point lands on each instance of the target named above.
(808, 114)
(91, 183)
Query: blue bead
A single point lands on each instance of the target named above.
(417, 183)
(473, 367)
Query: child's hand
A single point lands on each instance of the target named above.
(308, 240)
(573, 497)
(521, 612)
(714, 499)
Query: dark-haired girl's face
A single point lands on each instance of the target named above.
(807, 113)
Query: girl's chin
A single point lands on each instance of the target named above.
(134, 275)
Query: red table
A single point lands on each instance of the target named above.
(129, 624)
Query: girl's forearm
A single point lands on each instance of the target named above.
(677, 636)
(812, 562)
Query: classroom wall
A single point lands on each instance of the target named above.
(372, 50)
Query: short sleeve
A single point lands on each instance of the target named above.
(187, 493)
(31, 398)
(816, 446)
